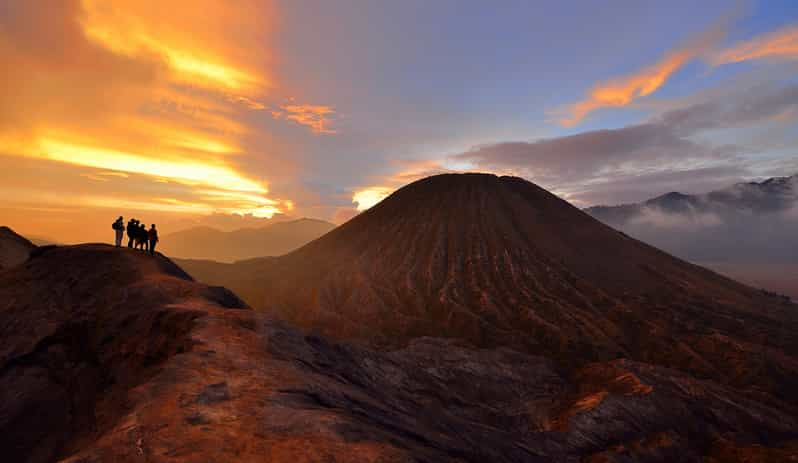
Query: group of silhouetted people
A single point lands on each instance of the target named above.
(138, 235)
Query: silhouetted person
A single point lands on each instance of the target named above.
(142, 238)
(132, 228)
(137, 236)
(153, 236)
(119, 228)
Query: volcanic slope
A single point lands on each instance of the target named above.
(113, 355)
(499, 261)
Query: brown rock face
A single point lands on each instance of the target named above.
(111, 355)
(498, 261)
(78, 327)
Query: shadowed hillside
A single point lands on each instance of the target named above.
(273, 240)
(113, 355)
(498, 261)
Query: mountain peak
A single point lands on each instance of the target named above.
(498, 261)
(450, 183)
(457, 197)
(671, 196)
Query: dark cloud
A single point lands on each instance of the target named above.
(663, 153)
(621, 189)
(587, 154)
(757, 105)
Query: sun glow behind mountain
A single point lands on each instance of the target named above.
(367, 198)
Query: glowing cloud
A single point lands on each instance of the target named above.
(130, 28)
(143, 104)
(624, 90)
(314, 116)
(168, 133)
(247, 204)
(781, 44)
(179, 170)
(409, 171)
(368, 197)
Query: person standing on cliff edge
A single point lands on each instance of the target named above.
(119, 228)
(131, 232)
(152, 234)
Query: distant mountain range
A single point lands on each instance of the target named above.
(748, 230)
(778, 195)
(272, 240)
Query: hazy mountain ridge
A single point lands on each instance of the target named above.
(207, 243)
(748, 230)
(772, 196)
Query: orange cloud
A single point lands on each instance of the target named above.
(174, 32)
(410, 171)
(781, 44)
(181, 170)
(138, 103)
(314, 116)
(624, 90)
(344, 214)
(367, 197)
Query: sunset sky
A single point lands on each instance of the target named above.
(232, 114)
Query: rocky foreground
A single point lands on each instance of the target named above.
(110, 355)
